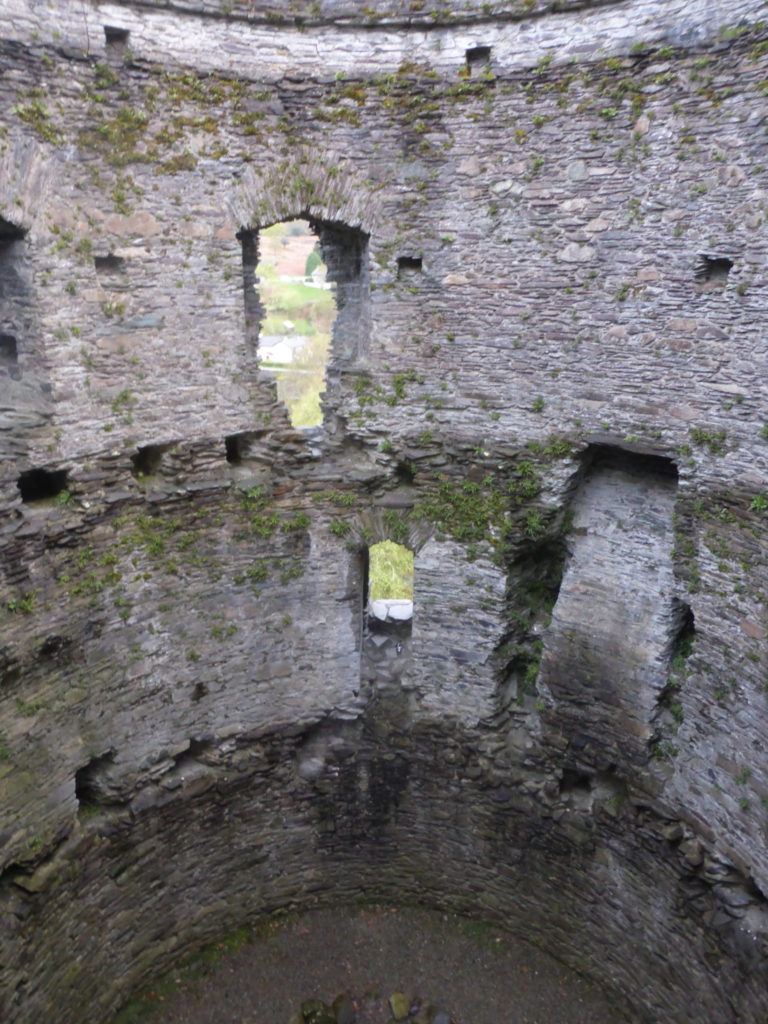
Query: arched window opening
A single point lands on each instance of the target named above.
(299, 313)
(306, 289)
(389, 605)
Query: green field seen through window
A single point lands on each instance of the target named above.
(390, 572)
(295, 335)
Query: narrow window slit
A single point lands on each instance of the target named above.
(42, 484)
(14, 296)
(236, 447)
(683, 633)
(95, 783)
(249, 244)
(8, 349)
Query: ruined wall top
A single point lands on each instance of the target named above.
(411, 12)
(222, 33)
(365, 12)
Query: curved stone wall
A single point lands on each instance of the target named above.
(546, 228)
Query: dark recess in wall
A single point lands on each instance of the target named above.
(713, 269)
(478, 56)
(236, 446)
(405, 472)
(39, 484)
(575, 782)
(344, 251)
(92, 781)
(147, 459)
(668, 714)
(11, 257)
(109, 264)
(407, 265)
(116, 37)
(639, 463)
(14, 298)
(9, 233)
(56, 648)
(533, 586)
(8, 349)
(683, 630)
(254, 311)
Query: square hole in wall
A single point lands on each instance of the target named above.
(239, 447)
(478, 56)
(40, 484)
(408, 265)
(405, 472)
(109, 264)
(712, 269)
(116, 37)
(147, 459)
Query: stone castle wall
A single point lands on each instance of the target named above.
(547, 230)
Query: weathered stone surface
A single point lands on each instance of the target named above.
(566, 424)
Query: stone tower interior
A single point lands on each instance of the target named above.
(545, 227)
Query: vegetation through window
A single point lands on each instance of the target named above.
(299, 311)
(390, 583)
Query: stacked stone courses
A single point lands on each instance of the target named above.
(546, 227)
